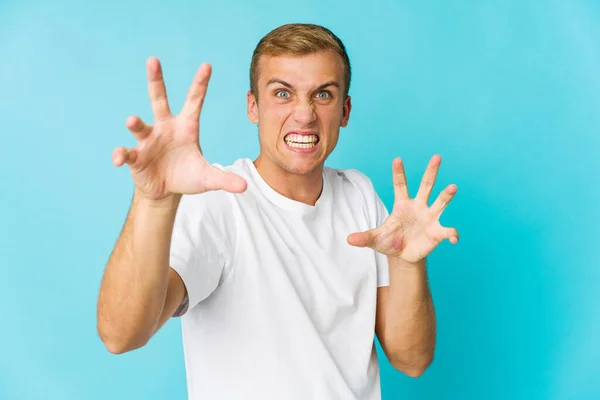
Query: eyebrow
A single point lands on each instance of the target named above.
(290, 86)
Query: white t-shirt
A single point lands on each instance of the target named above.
(279, 305)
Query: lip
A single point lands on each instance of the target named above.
(303, 133)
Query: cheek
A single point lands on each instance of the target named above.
(331, 117)
(274, 114)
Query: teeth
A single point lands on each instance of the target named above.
(300, 145)
(292, 137)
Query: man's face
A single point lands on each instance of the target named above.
(301, 107)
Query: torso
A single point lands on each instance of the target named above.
(294, 316)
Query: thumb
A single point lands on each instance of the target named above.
(360, 239)
(221, 180)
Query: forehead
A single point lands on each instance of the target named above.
(306, 70)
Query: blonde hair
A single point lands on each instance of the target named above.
(298, 40)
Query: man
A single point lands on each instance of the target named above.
(281, 269)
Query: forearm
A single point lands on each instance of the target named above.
(134, 286)
(410, 316)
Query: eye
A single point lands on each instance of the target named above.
(282, 94)
(323, 95)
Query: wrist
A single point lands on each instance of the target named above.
(398, 262)
(167, 203)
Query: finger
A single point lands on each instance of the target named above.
(121, 155)
(218, 179)
(451, 234)
(399, 179)
(156, 89)
(428, 179)
(439, 205)
(197, 92)
(138, 127)
(360, 239)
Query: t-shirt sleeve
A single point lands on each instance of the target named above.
(383, 269)
(376, 214)
(199, 252)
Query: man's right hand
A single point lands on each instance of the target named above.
(167, 159)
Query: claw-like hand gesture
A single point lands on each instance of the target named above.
(412, 230)
(167, 159)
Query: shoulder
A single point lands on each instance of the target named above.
(359, 189)
(351, 179)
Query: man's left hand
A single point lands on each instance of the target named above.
(412, 230)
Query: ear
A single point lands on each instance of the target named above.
(252, 109)
(346, 112)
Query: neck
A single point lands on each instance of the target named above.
(304, 188)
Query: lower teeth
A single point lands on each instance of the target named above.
(301, 145)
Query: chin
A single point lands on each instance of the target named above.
(301, 167)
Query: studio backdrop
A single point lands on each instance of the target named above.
(508, 93)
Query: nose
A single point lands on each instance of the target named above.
(304, 113)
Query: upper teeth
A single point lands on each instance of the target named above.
(293, 137)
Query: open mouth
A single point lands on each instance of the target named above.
(303, 141)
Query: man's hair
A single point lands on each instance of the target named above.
(298, 40)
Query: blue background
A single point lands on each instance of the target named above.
(507, 92)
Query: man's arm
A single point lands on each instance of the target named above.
(139, 292)
(405, 321)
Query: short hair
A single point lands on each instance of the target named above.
(298, 40)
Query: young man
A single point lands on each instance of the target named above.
(282, 270)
